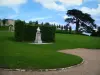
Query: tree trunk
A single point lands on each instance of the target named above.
(77, 26)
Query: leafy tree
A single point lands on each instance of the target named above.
(36, 23)
(0, 22)
(42, 24)
(62, 27)
(59, 26)
(54, 25)
(98, 32)
(30, 22)
(4, 21)
(81, 19)
(66, 28)
(69, 20)
(70, 29)
(47, 24)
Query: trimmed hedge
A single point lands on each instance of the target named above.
(19, 30)
(62, 31)
(30, 33)
(27, 32)
(48, 33)
(65, 31)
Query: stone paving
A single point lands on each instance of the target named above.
(91, 66)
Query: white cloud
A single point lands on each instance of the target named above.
(14, 4)
(65, 16)
(71, 2)
(88, 0)
(12, 16)
(92, 11)
(56, 23)
(52, 4)
(39, 18)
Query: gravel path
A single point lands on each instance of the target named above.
(91, 66)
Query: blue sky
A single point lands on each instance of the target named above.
(53, 11)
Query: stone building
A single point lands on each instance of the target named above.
(1, 23)
(8, 22)
(11, 24)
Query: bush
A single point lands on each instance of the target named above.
(70, 30)
(48, 33)
(98, 31)
(94, 33)
(66, 31)
(30, 33)
(19, 30)
(62, 31)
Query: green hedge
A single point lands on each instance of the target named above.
(62, 31)
(19, 30)
(65, 31)
(30, 33)
(48, 33)
(27, 32)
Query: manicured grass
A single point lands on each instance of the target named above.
(23, 55)
(4, 28)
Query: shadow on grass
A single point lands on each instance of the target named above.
(11, 39)
(3, 63)
(14, 40)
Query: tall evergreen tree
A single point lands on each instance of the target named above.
(81, 19)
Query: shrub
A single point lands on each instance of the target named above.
(98, 31)
(62, 31)
(19, 30)
(94, 33)
(30, 32)
(70, 30)
(48, 33)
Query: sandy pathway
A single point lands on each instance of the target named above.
(91, 65)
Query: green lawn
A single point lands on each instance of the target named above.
(23, 55)
(4, 28)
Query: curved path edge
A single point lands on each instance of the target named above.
(91, 66)
(45, 70)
